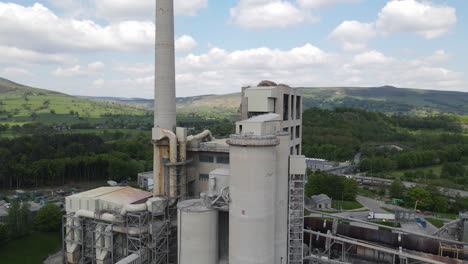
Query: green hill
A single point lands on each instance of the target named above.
(388, 99)
(205, 106)
(21, 104)
(385, 99)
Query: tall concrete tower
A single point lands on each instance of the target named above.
(165, 93)
(164, 138)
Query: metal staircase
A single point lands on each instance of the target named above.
(296, 219)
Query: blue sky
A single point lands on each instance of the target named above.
(105, 47)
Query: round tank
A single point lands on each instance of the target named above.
(218, 180)
(252, 187)
(197, 233)
(281, 206)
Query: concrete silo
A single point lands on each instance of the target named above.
(197, 232)
(252, 190)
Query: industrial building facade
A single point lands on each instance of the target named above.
(238, 200)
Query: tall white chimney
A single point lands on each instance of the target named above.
(165, 93)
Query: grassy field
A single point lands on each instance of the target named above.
(388, 223)
(38, 245)
(382, 99)
(448, 215)
(436, 222)
(21, 104)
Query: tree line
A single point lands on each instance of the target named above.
(336, 187)
(48, 160)
(340, 133)
(20, 222)
(427, 198)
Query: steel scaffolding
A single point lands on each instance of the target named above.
(138, 242)
(89, 229)
(68, 230)
(296, 219)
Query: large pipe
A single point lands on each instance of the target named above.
(172, 159)
(165, 93)
(112, 218)
(200, 136)
(158, 177)
(182, 139)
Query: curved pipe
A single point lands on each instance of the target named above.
(200, 136)
(173, 159)
(134, 208)
(131, 230)
(111, 218)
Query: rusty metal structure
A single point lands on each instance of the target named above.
(340, 242)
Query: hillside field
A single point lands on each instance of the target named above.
(386, 99)
(21, 104)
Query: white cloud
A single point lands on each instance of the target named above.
(185, 43)
(353, 35)
(12, 55)
(19, 24)
(316, 4)
(138, 69)
(123, 87)
(113, 10)
(373, 68)
(14, 72)
(222, 71)
(268, 13)
(423, 18)
(371, 57)
(184, 7)
(77, 70)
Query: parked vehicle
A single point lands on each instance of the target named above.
(380, 216)
(422, 222)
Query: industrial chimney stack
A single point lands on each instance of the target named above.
(165, 93)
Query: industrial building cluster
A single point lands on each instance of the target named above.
(237, 200)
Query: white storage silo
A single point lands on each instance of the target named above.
(252, 187)
(197, 233)
(281, 206)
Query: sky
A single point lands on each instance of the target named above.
(106, 47)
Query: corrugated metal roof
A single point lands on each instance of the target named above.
(115, 195)
(319, 198)
(263, 118)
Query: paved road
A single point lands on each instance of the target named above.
(446, 191)
(372, 204)
(376, 206)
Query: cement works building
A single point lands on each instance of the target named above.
(238, 200)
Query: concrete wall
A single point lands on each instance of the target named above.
(252, 208)
(293, 121)
(198, 168)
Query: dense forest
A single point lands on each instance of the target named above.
(339, 134)
(389, 143)
(45, 160)
(39, 155)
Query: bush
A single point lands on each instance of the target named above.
(48, 218)
(3, 234)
